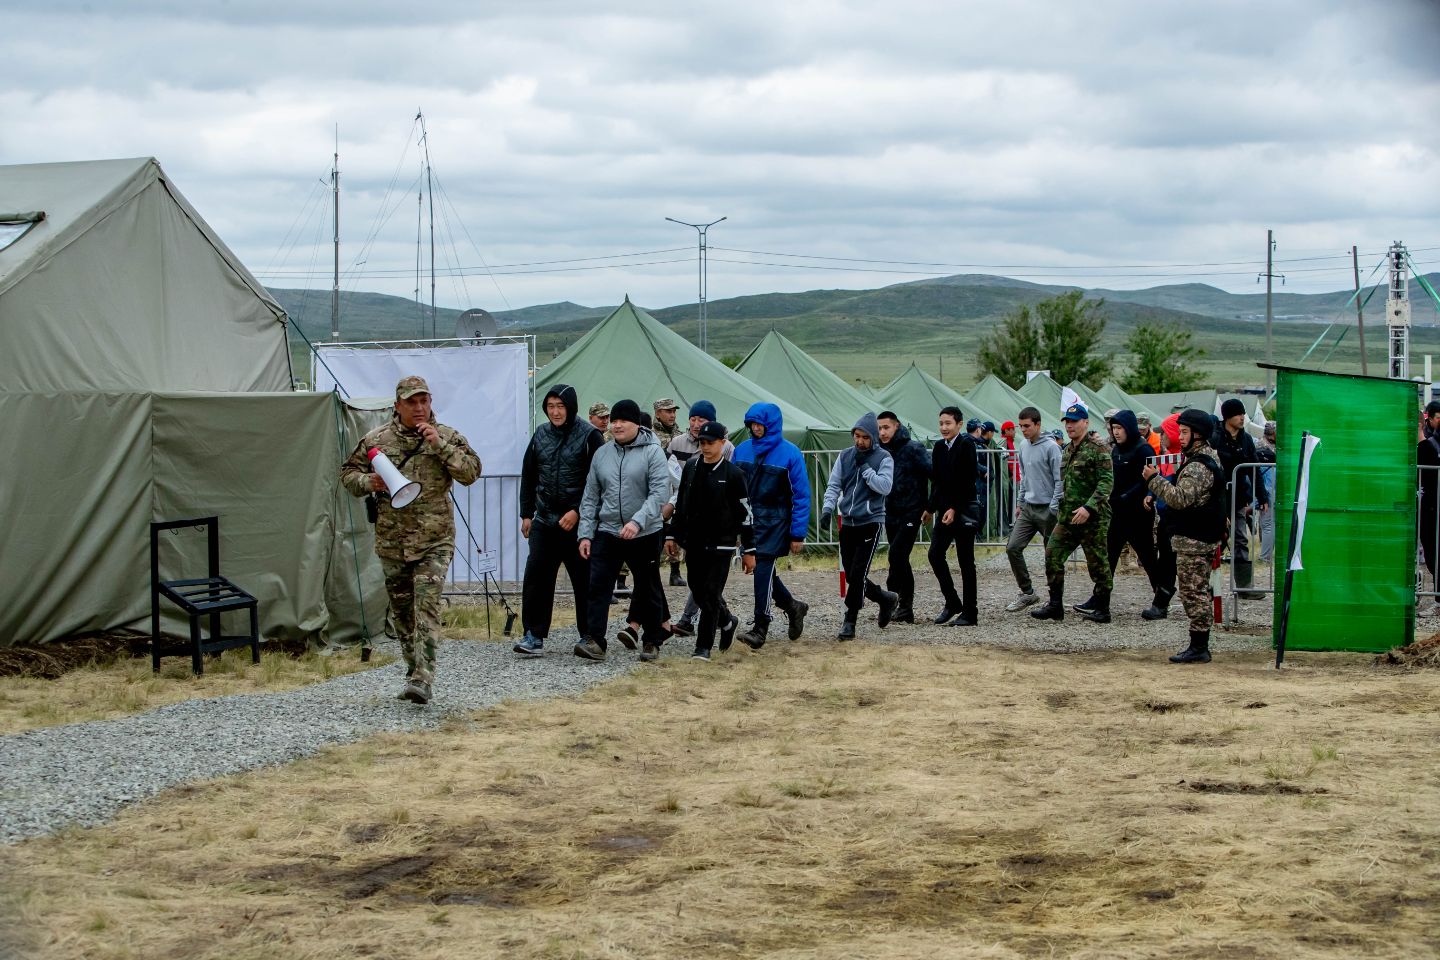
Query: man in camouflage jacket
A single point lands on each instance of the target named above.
(1196, 510)
(1083, 519)
(415, 543)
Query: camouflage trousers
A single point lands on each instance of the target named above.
(1192, 581)
(1090, 537)
(414, 589)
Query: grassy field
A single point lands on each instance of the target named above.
(813, 801)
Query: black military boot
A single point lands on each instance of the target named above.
(795, 618)
(1159, 607)
(1198, 651)
(888, 603)
(1052, 609)
(676, 580)
(754, 638)
(847, 628)
(1099, 611)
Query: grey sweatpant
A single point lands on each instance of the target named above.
(1034, 519)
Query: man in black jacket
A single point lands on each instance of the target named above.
(1132, 520)
(552, 481)
(1235, 447)
(1428, 455)
(712, 511)
(953, 502)
(904, 509)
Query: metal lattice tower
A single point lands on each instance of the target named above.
(1397, 312)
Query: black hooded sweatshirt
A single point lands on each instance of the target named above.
(1128, 460)
(910, 494)
(552, 476)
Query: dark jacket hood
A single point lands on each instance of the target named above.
(768, 416)
(566, 395)
(1126, 419)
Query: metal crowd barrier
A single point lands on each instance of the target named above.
(491, 508)
(1252, 532)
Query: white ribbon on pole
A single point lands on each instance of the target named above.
(1302, 499)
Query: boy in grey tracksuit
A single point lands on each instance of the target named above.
(1037, 501)
(859, 483)
(620, 523)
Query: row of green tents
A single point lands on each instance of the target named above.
(631, 354)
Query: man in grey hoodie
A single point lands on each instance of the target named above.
(620, 523)
(859, 483)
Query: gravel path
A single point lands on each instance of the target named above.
(82, 774)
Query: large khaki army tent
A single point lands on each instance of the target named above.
(144, 375)
(792, 374)
(918, 397)
(632, 355)
(999, 398)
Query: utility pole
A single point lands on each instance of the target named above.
(335, 203)
(1359, 310)
(1397, 312)
(701, 229)
(1269, 276)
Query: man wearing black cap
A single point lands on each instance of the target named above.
(1083, 519)
(1234, 447)
(712, 511)
(1195, 510)
(620, 521)
(682, 449)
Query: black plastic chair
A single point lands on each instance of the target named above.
(207, 597)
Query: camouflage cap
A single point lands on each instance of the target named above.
(410, 386)
(600, 409)
(665, 403)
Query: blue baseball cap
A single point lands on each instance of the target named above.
(1076, 411)
(972, 425)
(988, 426)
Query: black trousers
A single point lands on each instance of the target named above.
(1137, 528)
(708, 570)
(901, 534)
(550, 548)
(857, 550)
(647, 601)
(963, 538)
(1165, 560)
(1429, 534)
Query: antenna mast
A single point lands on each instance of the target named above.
(430, 189)
(1397, 312)
(335, 203)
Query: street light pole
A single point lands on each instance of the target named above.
(700, 230)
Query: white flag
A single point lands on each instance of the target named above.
(1068, 397)
(1302, 498)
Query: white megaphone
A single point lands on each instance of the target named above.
(402, 489)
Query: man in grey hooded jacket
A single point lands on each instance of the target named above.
(859, 482)
(620, 523)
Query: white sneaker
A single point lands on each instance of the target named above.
(1022, 601)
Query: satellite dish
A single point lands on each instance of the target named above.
(474, 325)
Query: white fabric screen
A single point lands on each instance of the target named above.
(482, 391)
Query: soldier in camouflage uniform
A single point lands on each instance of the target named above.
(1083, 519)
(415, 543)
(1195, 510)
(663, 424)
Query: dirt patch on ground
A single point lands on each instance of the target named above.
(1418, 655)
(53, 660)
(989, 804)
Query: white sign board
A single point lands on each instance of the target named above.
(483, 392)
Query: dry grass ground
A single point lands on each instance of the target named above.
(126, 686)
(811, 801)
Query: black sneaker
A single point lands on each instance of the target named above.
(847, 630)
(945, 614)
(588, 649)
(754, 638)
(649, 652)
(701, 654)
(964, 620)
(727, 634)
(682, 628)
(796, 618)
(627, 636)
(1085, 607)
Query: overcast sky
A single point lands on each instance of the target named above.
(1056, 141)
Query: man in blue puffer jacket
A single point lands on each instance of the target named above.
(780, 507)
(861, 479)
